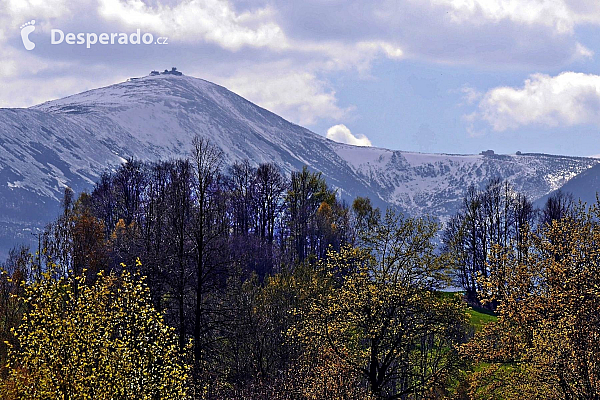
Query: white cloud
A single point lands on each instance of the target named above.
(390, 50)
(22, 10)
(529, 33)
(279, 55)
(341, 133)
(567, 99)
(296, 95)
(336, 55)
(214, 21)
(32, 91)
(560, 15)
(14, 13)
(470, 95)
(553, 13)
(28, 79)
(582, 52)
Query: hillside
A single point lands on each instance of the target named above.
(70, 141)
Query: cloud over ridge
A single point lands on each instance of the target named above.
(340, 133)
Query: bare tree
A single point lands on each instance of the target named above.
(206, 230)
(270, 187)
(496, 215)
(558, 206)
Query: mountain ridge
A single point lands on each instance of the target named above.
(70, 141)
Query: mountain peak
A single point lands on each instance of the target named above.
(70, 141)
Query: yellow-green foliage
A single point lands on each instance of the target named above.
(546, 340)
(396, 337)
(94, 340)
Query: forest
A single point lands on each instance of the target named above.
(190, 279)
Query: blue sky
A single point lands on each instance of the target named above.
(454, 76)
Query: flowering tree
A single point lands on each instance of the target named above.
(94, 340)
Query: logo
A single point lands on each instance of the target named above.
(26, 29)
(89, 39)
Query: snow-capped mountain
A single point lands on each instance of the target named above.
(583, 187)
(72, 140)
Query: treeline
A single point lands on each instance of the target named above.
(195, 225)
(192, 279)
(274, 288)
(539, 270)
(497, 215)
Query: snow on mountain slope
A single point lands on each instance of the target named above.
(584, 187)
(70, 141)
(433, 183)
(163, 113)
(40, 154)
(47, 152)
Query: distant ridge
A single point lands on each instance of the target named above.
(583, 187)
(70, 141)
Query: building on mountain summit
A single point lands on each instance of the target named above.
(173, 71)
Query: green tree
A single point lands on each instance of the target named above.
(374, 312)
(308, 190)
